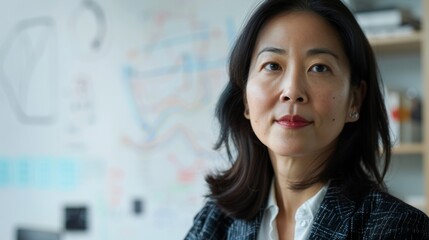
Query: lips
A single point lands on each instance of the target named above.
(293, 121)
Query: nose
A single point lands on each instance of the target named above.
(294, 88)
(298, 99)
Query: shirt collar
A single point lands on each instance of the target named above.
(311, 204)
(304, 216)
(272, 202)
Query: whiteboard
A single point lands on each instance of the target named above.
(107, 102)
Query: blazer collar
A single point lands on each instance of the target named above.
(333, 219)
(245, 230)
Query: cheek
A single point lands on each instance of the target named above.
(258, 100)
(339, 106)
(333, 107)
(334, 117)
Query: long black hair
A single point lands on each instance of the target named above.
(362, 155)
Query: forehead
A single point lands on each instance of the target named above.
(302, 29)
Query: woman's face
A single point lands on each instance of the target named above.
(298, 95)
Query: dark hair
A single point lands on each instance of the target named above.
(242, 190)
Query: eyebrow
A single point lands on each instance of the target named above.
(311, 52)
(273, 50)
(317, 51)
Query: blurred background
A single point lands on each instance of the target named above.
(107, 127)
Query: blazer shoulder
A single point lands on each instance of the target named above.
(209, 223)
(381, 203)
(390, 218)
(373, 215)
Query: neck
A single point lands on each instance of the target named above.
(289, 200)
(290, 170)
(287, 172)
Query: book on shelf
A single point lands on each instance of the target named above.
(386, 22)
(391, 16)
(405, 115)
(385, 32)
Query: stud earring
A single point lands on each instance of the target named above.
(354, 115)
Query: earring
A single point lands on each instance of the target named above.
(354, 115)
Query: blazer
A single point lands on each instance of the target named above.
(378, 215)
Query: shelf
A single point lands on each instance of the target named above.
(397, 43)
(408, 148)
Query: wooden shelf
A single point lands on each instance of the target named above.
(408, 148)
(397, 43)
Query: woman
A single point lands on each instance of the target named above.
(302, 120)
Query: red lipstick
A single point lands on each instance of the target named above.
(293, 121)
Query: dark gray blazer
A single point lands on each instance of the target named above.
(378, 216)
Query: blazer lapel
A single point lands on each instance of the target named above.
(245, 230)
(333, 219)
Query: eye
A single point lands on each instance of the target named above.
(271, 66)
(319, 68)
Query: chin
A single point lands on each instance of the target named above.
(289, 151)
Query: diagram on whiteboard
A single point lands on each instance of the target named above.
(172, 76)
(28, 70)
(110, 105)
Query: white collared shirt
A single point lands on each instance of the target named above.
(304, 216)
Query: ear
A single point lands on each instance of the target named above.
(246, 108)
(357, 96)
(246, 111)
